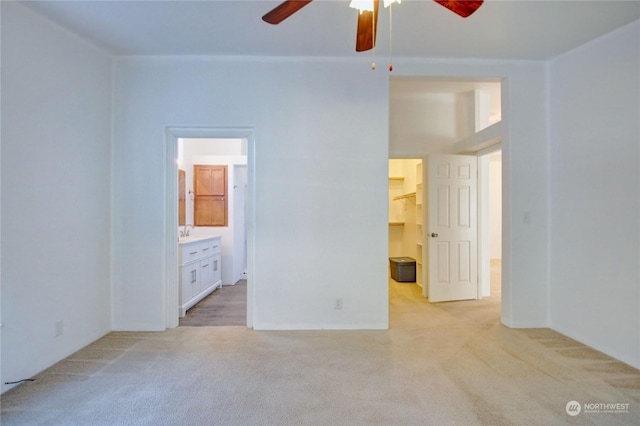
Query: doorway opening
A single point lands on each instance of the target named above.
(216, 168)
(440, 116)
(234, 149)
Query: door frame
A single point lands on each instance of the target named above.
(172, 134)
(484, 228)
(498, 133)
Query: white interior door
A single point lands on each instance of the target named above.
(452, 227)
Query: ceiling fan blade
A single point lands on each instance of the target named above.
(367, 28)
(284, 10)
(463, 8)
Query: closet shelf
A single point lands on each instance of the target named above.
(396, 223)
(396, 178)
(400, 197)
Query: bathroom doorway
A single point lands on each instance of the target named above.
(233, 148)
(223, 160)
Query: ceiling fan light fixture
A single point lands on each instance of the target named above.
(362, 5)
(366, 29)
(367, 5)
(388, 3)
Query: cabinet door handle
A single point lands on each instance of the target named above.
(215, 265)
(193, 276)
(205, 266)
(193, 252)
(205, 249)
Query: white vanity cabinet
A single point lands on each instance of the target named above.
(200, 269)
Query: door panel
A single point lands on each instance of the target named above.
(452, 228)
(443, 261)
(218, 181)
(443, 206)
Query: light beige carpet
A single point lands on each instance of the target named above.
(441, 364)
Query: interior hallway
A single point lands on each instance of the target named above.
(442, 364)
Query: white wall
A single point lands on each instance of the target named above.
(429, 115)
(321, 176)
(595, 190)
(424, 123)
(331, 134)
(56, 160)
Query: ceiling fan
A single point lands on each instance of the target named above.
(367, 20)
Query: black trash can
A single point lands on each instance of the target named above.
(403, 269)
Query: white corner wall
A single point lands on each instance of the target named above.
(321, 154)
(56, 118)
(595, 190)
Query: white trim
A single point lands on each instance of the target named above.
(525, 324)
(480, 148)
(172, 134)
(490, 149)
(170, 218)
(267, 326)
(484, 233)
(488, 140)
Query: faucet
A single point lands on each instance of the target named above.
(185, 231)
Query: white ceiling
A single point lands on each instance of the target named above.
(516, 29)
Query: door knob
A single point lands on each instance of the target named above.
(434, 235)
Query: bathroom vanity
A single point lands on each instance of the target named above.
(200, 260)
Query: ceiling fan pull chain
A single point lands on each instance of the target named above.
(373, 38)
(391, 37)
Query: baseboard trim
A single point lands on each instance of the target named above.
(296, 326)
(525, 324)
(600, 348)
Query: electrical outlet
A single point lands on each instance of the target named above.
(59, 328)
(338, 303)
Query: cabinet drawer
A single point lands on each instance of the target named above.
(191, 252)
(206, 249)
(214, 246)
